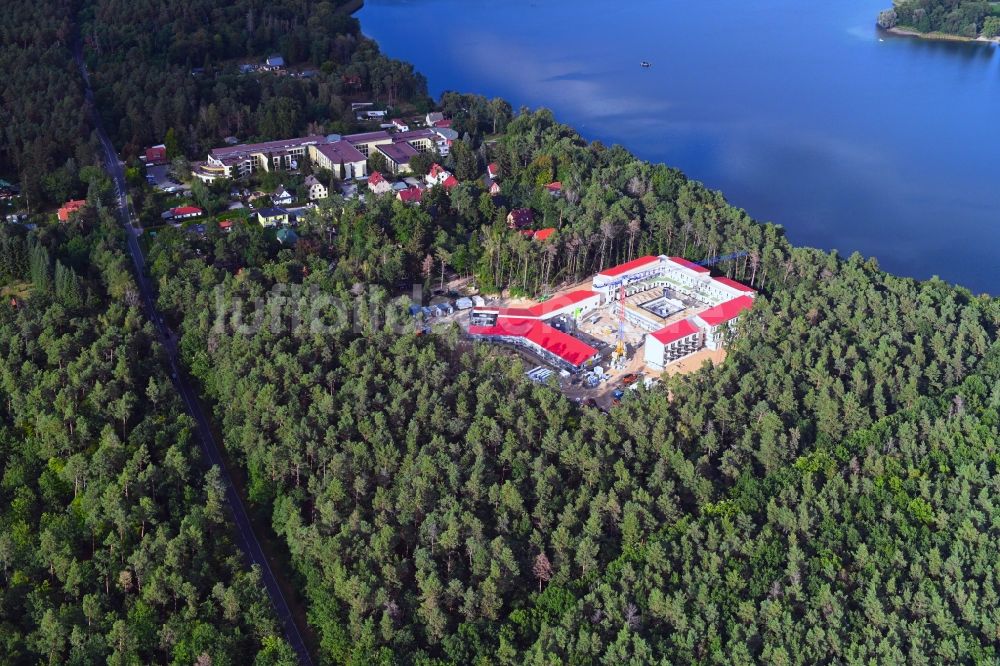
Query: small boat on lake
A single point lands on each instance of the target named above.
(645, 64)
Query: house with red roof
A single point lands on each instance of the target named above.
(410, 195)
(492, 171)
(437, 175)
(70, 208)
(672, 342)
(494, 188)
(378, 184)
(155, 155)
(226, 225)
(554, 189)
(544, 234)
(184, 212)
(450, 183)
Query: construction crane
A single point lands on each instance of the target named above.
(711, 261)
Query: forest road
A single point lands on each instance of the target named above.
(244, 533)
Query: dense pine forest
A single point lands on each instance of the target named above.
(114, 540)
(824, 496)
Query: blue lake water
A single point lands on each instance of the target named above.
(850, 139)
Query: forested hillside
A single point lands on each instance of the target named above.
(143, 55)
(44, 137)
(114, 542)
(824, 495)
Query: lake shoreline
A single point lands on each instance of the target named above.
(938, 36)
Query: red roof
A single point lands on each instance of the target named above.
(493, 170)
(226, 224)
(675, 331)
(570, 349)
(541, 310)
(450, 182)
(544, 234)
(629, 266)
(186, 210)
(436, 170)
(554, 187)
(727, 311)
(70, 207)
(689, 264)
(443, 123)
(156, 154)
(375, 178)
(410, 195)
(735, 285)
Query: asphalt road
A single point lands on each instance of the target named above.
(245, 537)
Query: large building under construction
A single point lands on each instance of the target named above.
(675, 304)
(654, 292)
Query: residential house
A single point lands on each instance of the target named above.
(282, 197)
(493, 188)
(184, 213)
(520, 218)
(274, 62)
(544, 234)
(437, 175)
(70, 208)
(317, 190)
(450, 183)
(155, 155)
(410, 195)
(400, 125)
(493, 171)
(378, 184)
(272, 217)
(226, 225)
(554, 189)
(433, 117)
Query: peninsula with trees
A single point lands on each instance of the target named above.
(943, 19)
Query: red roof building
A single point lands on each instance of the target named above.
(410, 195)
(681, 261)
(156, 155)
(493, 170)
(725, 312)
(182, 212)
(494, 188)
(675, 331)
(739, 286)
(621, 269)
(541, 338)
(544, 234)
(443, 123)
(375, 178)
(450, 182)
(226, 225)
(69, 208)
(555, 189)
